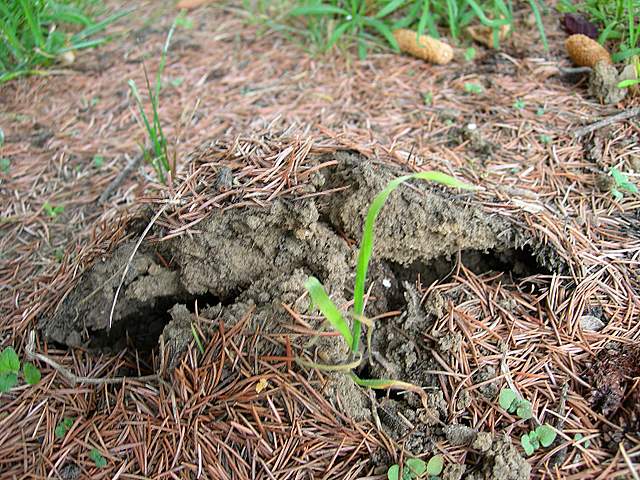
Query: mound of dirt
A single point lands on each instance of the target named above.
(255, 260)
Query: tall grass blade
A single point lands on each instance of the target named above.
(368, 234)
(328, 308)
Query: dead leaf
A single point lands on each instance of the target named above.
(484, 35)
(261, 385)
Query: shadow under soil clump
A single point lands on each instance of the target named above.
(255, 260)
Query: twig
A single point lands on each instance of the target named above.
(73, 378)
(618, 117)
(574, 70)
(124, 174)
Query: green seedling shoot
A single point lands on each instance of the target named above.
(415, 468)
(472, 88)
(622, 184)
(97, 458)
(541, 436)
(52, 211)
(320, 298)
(510, 402)
(63, 427)
(10, 369)
(578, 438)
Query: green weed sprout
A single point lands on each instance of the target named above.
(469, 54)
(10, 368)
(473, 88)
(32, 34)
(97, 458)
(63, 427)
(578, 438)
(622, 184)
(510, 402)
(416, 468)
(157, 155)
(541, 436)
(52, 211)
(332, 313)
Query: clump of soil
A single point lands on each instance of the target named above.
(616, 395)
(248, 262)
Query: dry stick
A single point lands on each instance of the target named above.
(574, 70)
(133, 253)
(73, 378)
(126, 172)
(618, 117)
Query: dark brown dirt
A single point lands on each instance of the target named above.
(616, 395)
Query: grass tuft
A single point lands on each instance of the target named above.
(35, 34)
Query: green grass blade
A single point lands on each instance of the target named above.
(538, 17)
(606, 34)
(31, 16)
(337, 33)
(496, 23)
(426, 21)
(318, 10)
(328, 308)
(384, 31)
(618, 57)
(389, 8)
(628, 83)
(98, 27)
(366, 244)
(452, 8)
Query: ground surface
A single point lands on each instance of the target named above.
(499, 316)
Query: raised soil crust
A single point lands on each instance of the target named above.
(259, 258)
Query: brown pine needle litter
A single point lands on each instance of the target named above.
(200, 423)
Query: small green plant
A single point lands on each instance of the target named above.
(427, 98)
(541, 436)
(473, 88)
(157, 155)
(416, 468)
(332, 313)
(97, 458)
(546, 139)
(196, 337)
(578, 439)
(10, 368)
(98, 161)
(510, 402)
(36, 34)
(622, 184)
(469, 54)
(5, 165)
(540, 111)
(63, 427)
(519, 104)
(52, 211)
